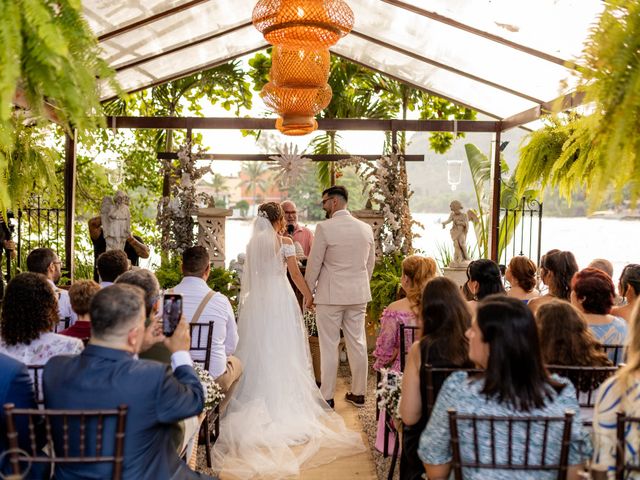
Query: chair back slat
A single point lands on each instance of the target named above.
(444, 372)
(35, 371)
(62, 324)
(407, 337)
(508, 425)
(586, 380)
(616, 352)
(201, 335)
(65, 448)
(624, 466)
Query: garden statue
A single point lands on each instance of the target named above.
(116, 220)
(459, 229)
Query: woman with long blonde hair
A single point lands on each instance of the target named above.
(416, 272)
(620, 393)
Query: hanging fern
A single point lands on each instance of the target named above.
(49, 54)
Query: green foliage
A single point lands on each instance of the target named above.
(243, 206)
(385, 284)
(50, 54)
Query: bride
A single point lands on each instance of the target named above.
(277, 422)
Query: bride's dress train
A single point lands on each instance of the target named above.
(277, 422)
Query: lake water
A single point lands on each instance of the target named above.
(588, 238)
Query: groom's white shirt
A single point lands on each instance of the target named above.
(225, 332)
(341, 261)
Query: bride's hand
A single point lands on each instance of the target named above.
(308, 303)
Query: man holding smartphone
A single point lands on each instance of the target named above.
(297, 233)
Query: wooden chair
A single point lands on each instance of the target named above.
(68, 433)
(407, 337)
(586, 380)
(534, 426)
(201, 334)
(35, 371)
(62, 324)
(624, 424)
(616, 352)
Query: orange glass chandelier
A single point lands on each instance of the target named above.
(303, 23)
(298, 89)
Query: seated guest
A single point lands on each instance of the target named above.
(557, 268)
(147, 281)
(29, 314)
(111, 265)
(416, 272)
(602, 264)
(618, 394)
(445, 319)
(16, 386)
(134, 247)
(483, 279)
(593, 293)
(46, 262)
(521, 275)
(80, 294)
(629, 288)
(503, 340)
(107, 374)
(202, 305)
(565, 337)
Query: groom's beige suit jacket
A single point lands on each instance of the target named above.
(341, 261)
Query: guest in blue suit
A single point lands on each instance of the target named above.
(108, 374)
(16, 387)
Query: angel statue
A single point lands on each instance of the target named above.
(459, 229)
(116, 220)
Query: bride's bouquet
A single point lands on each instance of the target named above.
(310, 322)
(213, 392)
(389, 391)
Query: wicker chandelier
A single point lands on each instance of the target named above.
(302, 32)
(303, 23)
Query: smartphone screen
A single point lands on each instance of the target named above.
(171, 312)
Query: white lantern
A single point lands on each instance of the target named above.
(454, 173)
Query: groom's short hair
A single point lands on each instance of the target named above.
(337, 191)
(195, 261)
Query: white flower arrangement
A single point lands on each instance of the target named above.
(310, 322)
(213, 392)
(389, 391)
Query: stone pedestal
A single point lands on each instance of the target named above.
(456, 274)
(376, 220)
(211, 223)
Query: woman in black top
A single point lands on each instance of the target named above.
(445, 317)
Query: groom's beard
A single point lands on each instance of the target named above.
(327, 214)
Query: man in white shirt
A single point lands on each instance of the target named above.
(202, 305)
(46, 262)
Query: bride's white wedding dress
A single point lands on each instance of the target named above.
(277, 422)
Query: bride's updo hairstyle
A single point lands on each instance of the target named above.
(418, 270)
(272, 211)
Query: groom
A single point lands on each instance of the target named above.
(339, 268)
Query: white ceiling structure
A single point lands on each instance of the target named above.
(500, 57)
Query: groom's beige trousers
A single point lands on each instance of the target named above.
(330, 319)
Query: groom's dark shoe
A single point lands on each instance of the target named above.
(331, 403)
(357, 400)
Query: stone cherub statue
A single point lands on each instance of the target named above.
(116, 220)
(459, 229)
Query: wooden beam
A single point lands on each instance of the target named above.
(565, 102)
(496, 185)
(342, 124)
(265, 157)
(481, 33)
(69, 201)
(153, 18)
(444, 66)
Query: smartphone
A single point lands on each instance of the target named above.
(171, 312)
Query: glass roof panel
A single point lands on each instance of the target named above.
(108, 15)
(539, 79)
(188, 60)
(436, 80)
(183, 27)
(557, 27)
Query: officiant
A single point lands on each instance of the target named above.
(298, 233)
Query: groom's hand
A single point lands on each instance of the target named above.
(308, 303)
